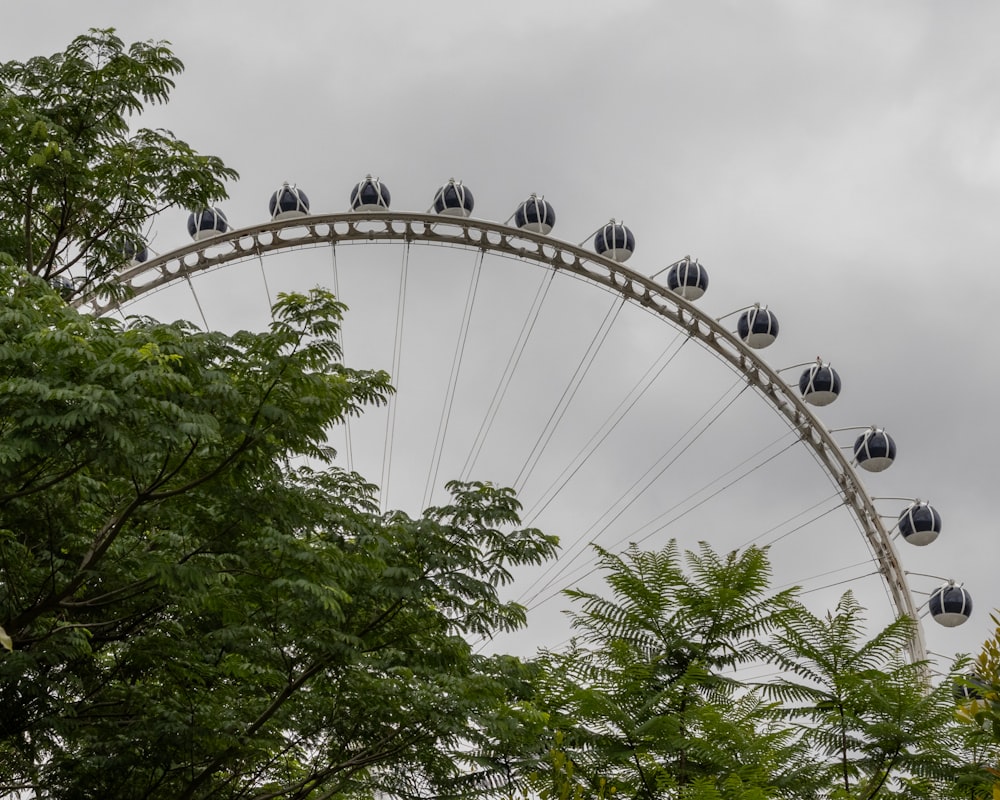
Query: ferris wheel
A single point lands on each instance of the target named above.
(618, 409)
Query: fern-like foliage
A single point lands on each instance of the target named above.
(651, 698)
(876, 729)
(646, 696)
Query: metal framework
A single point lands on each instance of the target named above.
(390, 226)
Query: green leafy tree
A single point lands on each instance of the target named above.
(978, 695)
(648, 699)
(876, 725)
(190, 613)
(194, 601)
(78, 182)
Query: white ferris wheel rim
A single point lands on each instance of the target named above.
(317, 230)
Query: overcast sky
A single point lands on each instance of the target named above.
(837, 161)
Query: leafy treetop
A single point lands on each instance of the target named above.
(646, 701)
(79, 185)
(192, 611)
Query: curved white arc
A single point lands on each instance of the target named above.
(320, 229)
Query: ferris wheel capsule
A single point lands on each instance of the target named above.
(288, 202)
(819, 384)
(536, 215)
(615, 241)
(207, 223)
(920, 523)
(969, 687)
(454, 200)
(874, 450)
(63, 284)
(136, 252)
(688, 279)
(950, 605)
(370, 195)
(758, 327)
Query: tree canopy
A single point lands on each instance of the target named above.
(198, 602)
(79, 183)
(648, 700)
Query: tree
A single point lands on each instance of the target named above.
(78, 186)
(192, 615)
(194, 600)
(978, 693)
(880, 728)
(647, 699)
